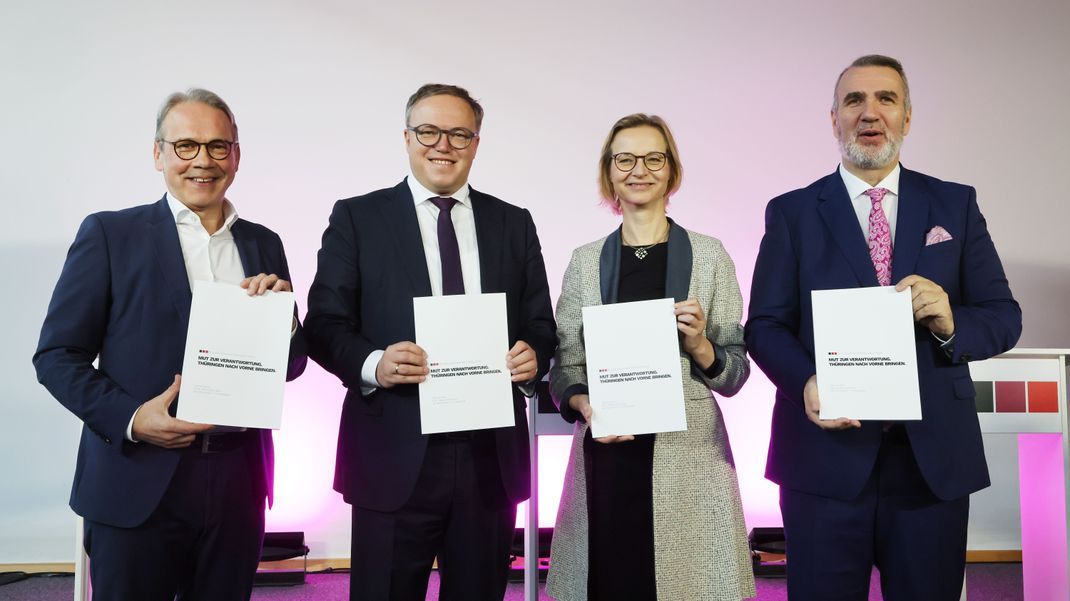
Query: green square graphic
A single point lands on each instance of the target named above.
(984, 399)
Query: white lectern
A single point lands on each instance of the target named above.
(1023, 391)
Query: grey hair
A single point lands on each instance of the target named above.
(440, 89)
(194, 95)
(875, 60)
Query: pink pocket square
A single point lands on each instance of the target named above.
(936, 236)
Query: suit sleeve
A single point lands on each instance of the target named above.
(73, 334)
(773, 322)
(298, 358)
(538, 328)
(333, 322)
(569, 374)
(988, 321)
(724, 331)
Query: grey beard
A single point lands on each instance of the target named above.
(857, 155)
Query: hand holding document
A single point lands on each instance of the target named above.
(237, 351)
(466, 338)
(633, 368)
(866, 358)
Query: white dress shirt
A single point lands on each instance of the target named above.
(210, 257)
(464, 223)
(856, 190)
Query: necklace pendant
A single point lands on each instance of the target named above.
(640, 253)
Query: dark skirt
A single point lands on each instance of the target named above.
(620, 510)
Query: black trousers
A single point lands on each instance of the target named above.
(201, 543)
(916, 540)
(458, 513)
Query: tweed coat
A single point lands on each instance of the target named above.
(700, 541)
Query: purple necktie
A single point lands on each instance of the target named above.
(448, 251)
(880, 237)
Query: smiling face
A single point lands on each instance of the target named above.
(441, 168)
(870, 119)
(199, 183)
(640, 188)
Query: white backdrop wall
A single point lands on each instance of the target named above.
(319, 87)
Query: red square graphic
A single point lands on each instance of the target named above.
(1010, 397)
(1043, 397)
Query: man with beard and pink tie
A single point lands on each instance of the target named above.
(860, 494)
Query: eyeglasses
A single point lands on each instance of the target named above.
(429, 135)
(626, 161)
(188, 150)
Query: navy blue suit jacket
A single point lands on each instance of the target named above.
(813, 242)
(123, 297)
(371, 266)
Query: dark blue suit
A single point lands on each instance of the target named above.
(123, 298)
(371, 266)
(813, 242)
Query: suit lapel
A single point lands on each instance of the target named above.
(835, 209)
(168, 255)
(248, 249)
(490, 233)
(400, 215)
(911, 219)
(678, 267)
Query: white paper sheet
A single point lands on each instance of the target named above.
(866, 358)
(466, 338)
(237, 351)
(633, 368)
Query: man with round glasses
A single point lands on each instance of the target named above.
(416, 497)
(170, 507)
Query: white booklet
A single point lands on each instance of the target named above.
(466, 338)
(633, 368)
(237, 352)
(867, 366)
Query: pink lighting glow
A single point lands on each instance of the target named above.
(1043, 497)
(553, 459)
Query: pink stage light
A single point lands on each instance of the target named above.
(553, 460)
(1043, 498)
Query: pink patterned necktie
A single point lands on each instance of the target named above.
(880, 237)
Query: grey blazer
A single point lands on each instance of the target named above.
(700, 541)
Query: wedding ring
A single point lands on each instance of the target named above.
(396, 366)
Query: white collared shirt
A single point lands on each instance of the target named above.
(856, 190)
(464, 223)
(208, 257)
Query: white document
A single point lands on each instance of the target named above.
(633, 368)
(867, 365)
(466, 338)
(237, 352)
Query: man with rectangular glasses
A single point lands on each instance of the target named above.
(416, 497)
